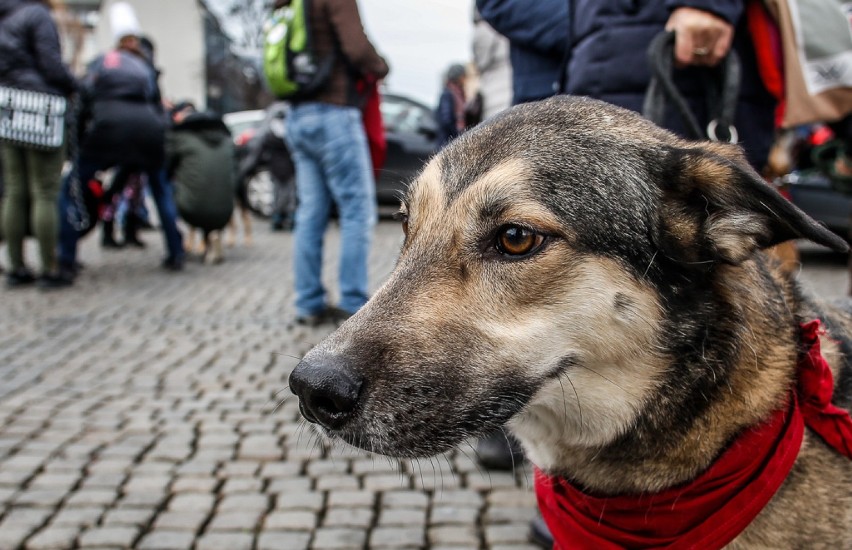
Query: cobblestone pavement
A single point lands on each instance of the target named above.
(145, 409)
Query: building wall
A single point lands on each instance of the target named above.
(176, 27)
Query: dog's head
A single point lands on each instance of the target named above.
(544, 254)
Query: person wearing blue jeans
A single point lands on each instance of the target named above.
(326, 137)
(161, 191)
(333, 166)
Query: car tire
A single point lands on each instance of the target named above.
(260, 193)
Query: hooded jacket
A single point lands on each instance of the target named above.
(200, 161)
(30, 51)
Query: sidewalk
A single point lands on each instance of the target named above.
(146, 409)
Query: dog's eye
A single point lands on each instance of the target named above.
(514, 240)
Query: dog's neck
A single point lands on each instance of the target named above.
(678, 436)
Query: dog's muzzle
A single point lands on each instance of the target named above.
(328, 392)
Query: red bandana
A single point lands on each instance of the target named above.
(710, 511)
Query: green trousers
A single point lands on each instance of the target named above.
(32, 180)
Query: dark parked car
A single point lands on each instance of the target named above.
(811, 191)
(409, 130)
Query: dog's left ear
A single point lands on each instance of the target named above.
(717, 208)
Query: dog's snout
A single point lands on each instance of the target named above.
(328, 391)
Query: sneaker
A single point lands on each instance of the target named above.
(329, 314)
(20, 277)
(53, 281)
(312, 319)
(499, 451)
(173, 263)
(336, 315)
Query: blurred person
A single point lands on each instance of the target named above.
(491, 57)
(200, 161)
(268, 150)
(450, 113)
(31, 59)
(326, 137)
(123, 124)
(538, 42)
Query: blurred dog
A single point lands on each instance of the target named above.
(598, 285)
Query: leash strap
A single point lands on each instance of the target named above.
(721, 98)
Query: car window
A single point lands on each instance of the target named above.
(401, 117)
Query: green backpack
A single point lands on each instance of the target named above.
(290, 64)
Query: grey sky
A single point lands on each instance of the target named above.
(420, 39)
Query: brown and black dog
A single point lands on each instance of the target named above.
(597, 285)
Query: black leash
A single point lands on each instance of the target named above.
(721, 95)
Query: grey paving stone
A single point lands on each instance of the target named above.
(282, 469)
(509, 533)
(225, 541)
(128, 516)
(78, 517)
(167, 540)
(243, 502)
(53, 538)
(336, 538)
(180, 521)
(337, 482)
(288, 485)
(13, 536)
(453, 535)
(117, 536)
(192, 502)
(496, 514)
(398, 537)
(241, 520)
(24, 517)
(305, 500)
(88, 498)
(242, 485)
(405, 499)
(453, 515)
(351, 499)
(281, 540)
(290, 521)
(402, 517)
(348, 517)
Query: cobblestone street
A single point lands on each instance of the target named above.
(146, 409)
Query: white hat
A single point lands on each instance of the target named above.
(123, 21)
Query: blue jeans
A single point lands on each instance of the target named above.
(161, 191)
(331, 155)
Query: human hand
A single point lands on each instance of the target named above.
(701, 38)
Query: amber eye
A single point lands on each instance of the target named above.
(514, 240)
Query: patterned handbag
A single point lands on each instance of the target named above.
(32, 119)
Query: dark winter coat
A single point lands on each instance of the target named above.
(609, 41)
(30, 52)
(123, 122)
(538, 38)
(201, 165)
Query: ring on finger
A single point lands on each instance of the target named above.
(700, 51)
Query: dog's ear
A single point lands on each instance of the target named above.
(717, 208)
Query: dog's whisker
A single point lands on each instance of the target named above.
(610, 381)
(579, 406)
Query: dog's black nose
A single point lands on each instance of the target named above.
(328, 391)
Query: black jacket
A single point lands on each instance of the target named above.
(30, 52)
(609, 40)
(122, 121)
(538, 39)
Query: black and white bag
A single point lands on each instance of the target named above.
(32, 119)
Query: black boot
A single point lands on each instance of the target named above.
(131, 229)
(107, 238)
